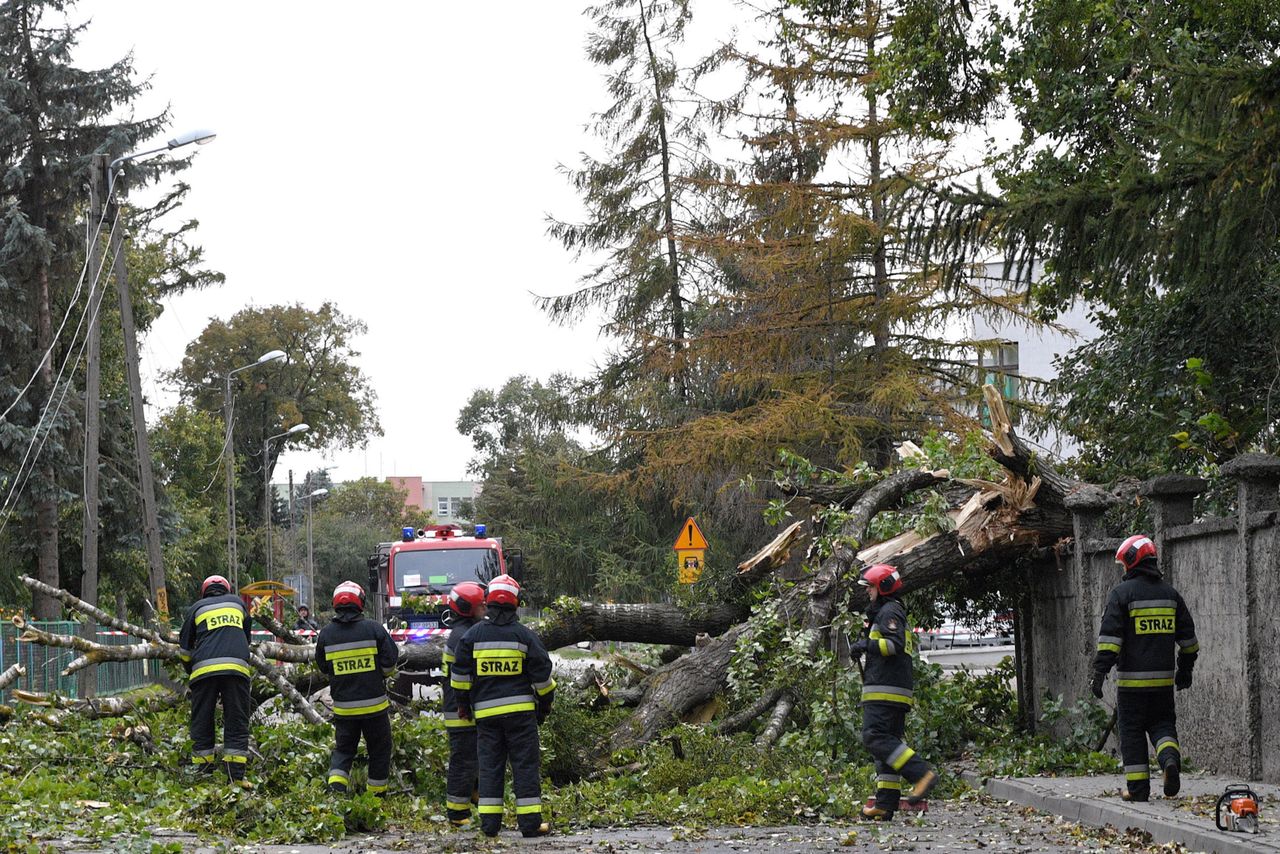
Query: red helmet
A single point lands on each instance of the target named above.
(503, 590)
(348, 593)
(464, 598)
(882, 577)
(1134, 551)
(212, 580)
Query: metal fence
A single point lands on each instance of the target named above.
(45, 664)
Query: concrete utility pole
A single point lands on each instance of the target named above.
(92, 387)
(88, 681)
(137, 407)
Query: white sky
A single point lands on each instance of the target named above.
(397, 158)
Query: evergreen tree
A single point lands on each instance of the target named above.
(639, 197)
(53, 117)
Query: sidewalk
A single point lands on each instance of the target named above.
(1187, 819)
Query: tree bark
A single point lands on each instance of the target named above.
(13, 674)
(657, 624)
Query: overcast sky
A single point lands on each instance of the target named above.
(397, 158)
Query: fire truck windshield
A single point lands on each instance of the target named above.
(438, 568)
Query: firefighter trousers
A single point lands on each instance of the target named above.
(376, 729)
(233, 689)
(1143, 714)
(509, 738)
(462, 782)
(883, 725)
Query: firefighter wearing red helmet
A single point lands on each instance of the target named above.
(502, 677)
(356, 654)
(466, 606)
(1144, 622)
(214, 649)
(887, 684)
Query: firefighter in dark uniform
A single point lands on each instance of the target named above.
(502, 679)
(214, 649)
(1144, 622)
(357, 654)
(887, 685)
(466, 602)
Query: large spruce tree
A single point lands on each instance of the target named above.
(54, 116)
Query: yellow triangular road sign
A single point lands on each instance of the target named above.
(690, 537)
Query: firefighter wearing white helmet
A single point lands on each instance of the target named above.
(502, 679)
(356, 654)
(214, 649)
(1144, 622)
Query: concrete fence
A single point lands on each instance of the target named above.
(1228, 571)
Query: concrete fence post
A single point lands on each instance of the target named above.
(1088, 506)
(1174, 497)
(1257, 479)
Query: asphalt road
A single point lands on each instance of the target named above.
(971, 823)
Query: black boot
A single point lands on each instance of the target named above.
(1172, 778)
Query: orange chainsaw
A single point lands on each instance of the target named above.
(1238, 810)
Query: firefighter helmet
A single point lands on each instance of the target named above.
(882, 577)
(1134, 551)
(464, 598)
(214, 580)
(348, 593)
(503, 590)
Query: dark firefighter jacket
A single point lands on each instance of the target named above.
(887, 677)
(457, 629)
(501, 668)
(356, 654)
(214, 640)
(1144, 621)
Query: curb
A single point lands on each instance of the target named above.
(1101, 813)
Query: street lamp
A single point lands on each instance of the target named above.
(199, 137)
(266, 488)
(228, 460)
(311, 557)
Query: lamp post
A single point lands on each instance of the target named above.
(229, 461)
(266, 489)
(311, 558)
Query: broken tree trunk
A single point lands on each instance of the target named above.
(997, 523)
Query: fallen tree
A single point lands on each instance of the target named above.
(989, 522)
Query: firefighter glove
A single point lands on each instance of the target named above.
(1183, 678)
(858, 648)
(464, 710)
(544, 709)
(1096, 685)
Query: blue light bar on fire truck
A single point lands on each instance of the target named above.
(406, 534)
(480, 529)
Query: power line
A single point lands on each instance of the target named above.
(43, 430)
(70, 305)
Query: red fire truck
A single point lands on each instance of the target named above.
(409, 579)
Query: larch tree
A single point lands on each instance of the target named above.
(829, 334)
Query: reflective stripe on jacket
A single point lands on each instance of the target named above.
(214, 640)
(356, 654)
(501, 667)
(887, 677)
(449, 696)
(1144, 626)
